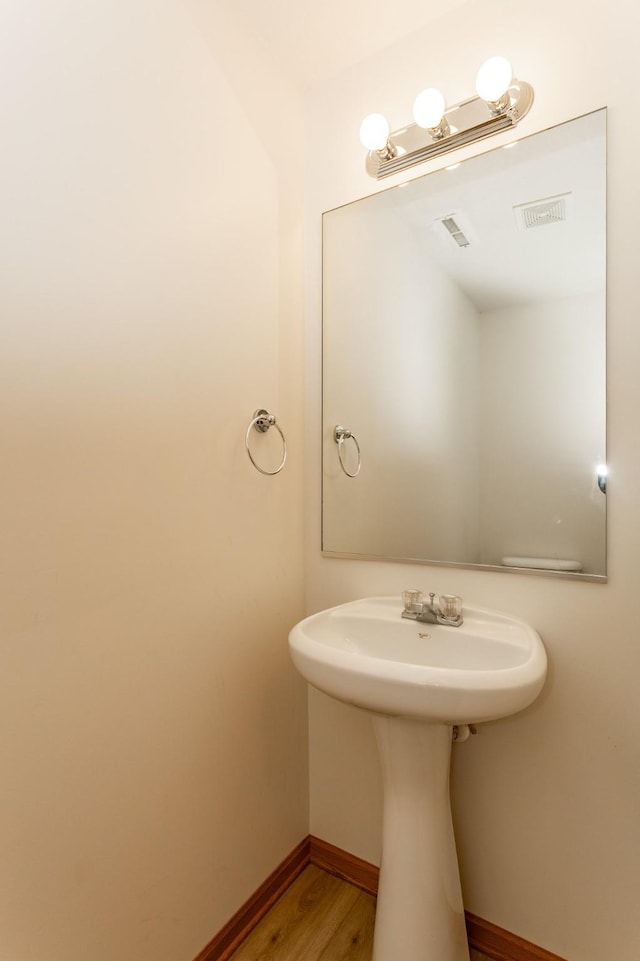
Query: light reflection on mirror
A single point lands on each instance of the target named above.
(464, 348)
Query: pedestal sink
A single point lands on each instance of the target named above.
(418, 680)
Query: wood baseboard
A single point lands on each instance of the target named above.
(502, 945)
(222, 946)
(484, 936)
(344, 865)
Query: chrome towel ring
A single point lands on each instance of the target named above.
(262, 421)
(340, 435)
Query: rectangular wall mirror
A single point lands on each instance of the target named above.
(464, 362)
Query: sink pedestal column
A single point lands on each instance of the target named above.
(420, 916)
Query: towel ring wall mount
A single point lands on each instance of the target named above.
(340, 436)
(262, 421)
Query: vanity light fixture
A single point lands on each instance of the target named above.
(374, 135)
(500, 103)
(428, 112)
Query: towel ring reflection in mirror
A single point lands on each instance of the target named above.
(340, 435)
(262, 421)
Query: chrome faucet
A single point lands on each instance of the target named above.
(447, 609)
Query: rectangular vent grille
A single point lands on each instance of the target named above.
(553, 210)
(455, 231)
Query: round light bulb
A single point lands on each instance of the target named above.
(374, 132)
(493, 79)
(428, 108)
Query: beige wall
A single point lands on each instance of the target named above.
(547, 802)
(152, 730)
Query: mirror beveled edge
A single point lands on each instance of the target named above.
(502, 569)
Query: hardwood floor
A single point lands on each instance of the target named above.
(319, 918)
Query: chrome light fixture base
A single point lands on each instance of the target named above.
(468, 121)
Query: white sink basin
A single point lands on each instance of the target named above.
(364, 653)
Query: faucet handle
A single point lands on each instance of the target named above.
(413, 601)
(450, 606)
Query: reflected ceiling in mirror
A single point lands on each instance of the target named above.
(464, 362)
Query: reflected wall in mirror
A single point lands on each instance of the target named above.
(464, 348)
